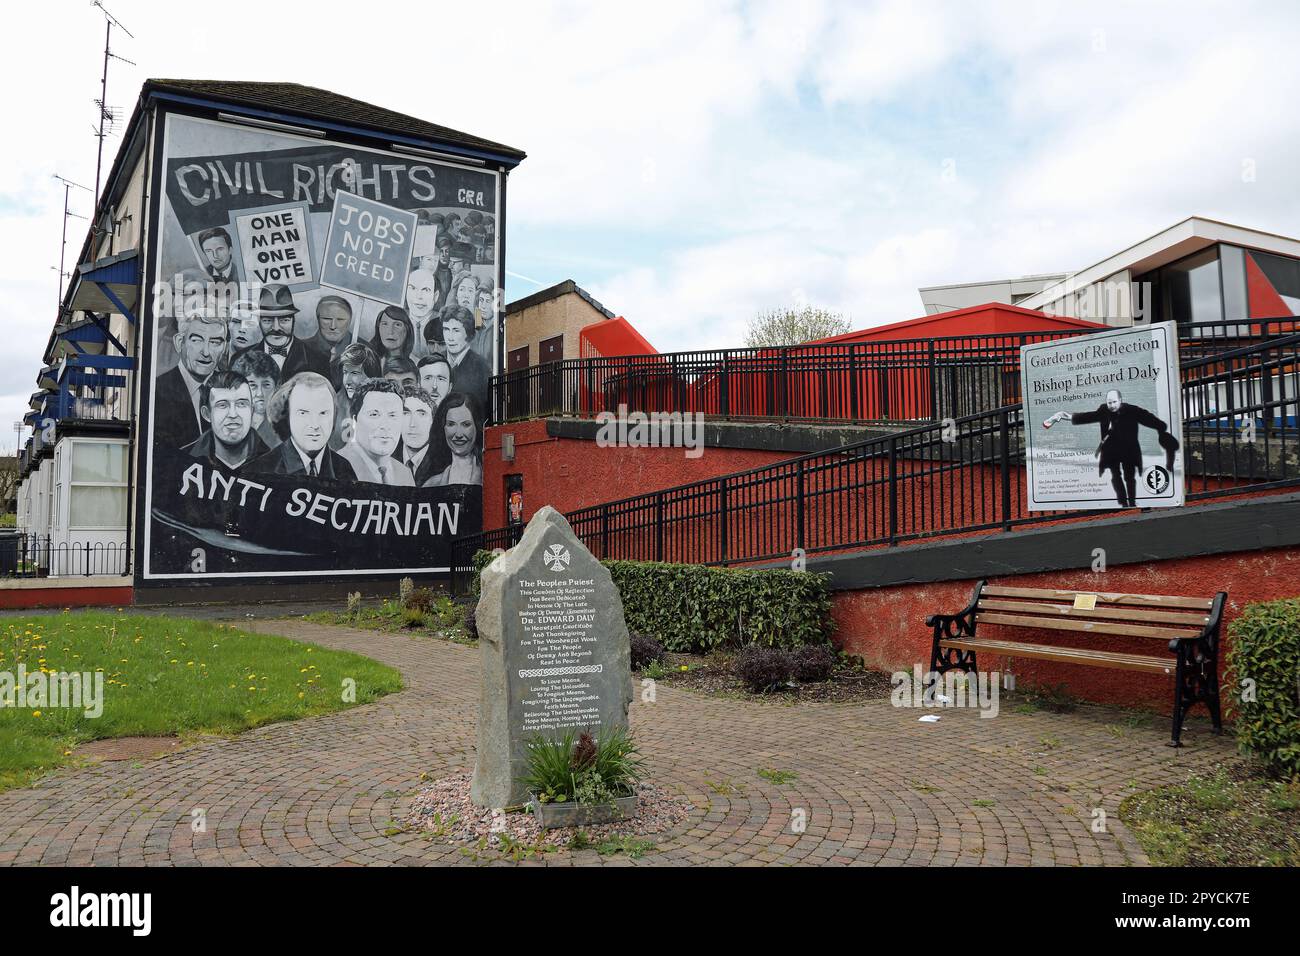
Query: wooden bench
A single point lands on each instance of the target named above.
(1188, 626)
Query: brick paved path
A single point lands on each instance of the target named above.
(878, 787)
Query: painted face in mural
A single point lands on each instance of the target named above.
(460, 431)
(421, 294)
(404, 379)
(218, 252)
(459, 266)
(230, 412)
(201, 345)
(354, 376)
(454, 336)
(435, 378)
(417, 422)
(311, 417)
(276, 329)
(392, 333)
(261, 387)
(335, 322)
(379, 424)
(466, 292)
(244, 331)
(485, 303)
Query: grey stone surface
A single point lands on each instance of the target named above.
(555, 653)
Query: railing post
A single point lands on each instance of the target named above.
(722, 520)
(799, 503)
(1004, 430)
(659, 526)
(784, 391)
(724, 403)
(855, 413)
(604, 531)
(934, 382)
(893, 490)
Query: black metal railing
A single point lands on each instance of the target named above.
(905, 380)
(25, 555)
(958, 476)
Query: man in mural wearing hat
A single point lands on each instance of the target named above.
(226, 406)
(333, 330)
(1119, 450)
(200, 343)
(275, 314)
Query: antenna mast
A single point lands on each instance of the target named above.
(107, 116)
(67, 189)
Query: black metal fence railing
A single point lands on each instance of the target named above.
(37, 556)
(904, 380)
(960, 476)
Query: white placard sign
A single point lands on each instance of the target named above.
(1103, 420)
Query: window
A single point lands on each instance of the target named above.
(1187, 290)
(98, 497)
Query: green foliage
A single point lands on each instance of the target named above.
(588, 771)
(418, 599)
(694, 609)
(1265, 651)
(412, 617)
(778, 777)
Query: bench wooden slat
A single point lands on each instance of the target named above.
(1088, 627)
(1106, 613)
(1114, 659)
(1107, 597)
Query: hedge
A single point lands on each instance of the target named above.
(693, 608)
(1265, 650)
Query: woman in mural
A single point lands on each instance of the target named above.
(460, 424)
(469, 373)
(351, 368)
(394, 334)
(465, 292)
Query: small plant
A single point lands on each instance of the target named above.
(762, 669)
(580, 840)
(412, 617)
(633, 847)
(982, 803)
(404, 589)
(1050, 742)
(419, 599)
(655, 671)
(471, 622)
(812, 663)
(1264, 649)
(354, 605)
(586, 770)
(646, 649)
(777, 777)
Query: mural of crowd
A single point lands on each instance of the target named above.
(322, 375)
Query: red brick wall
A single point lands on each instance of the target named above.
(66, 597)
(886, 626)
(570, 473)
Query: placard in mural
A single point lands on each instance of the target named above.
(1103, 420)
(369, 249)
(275, 244)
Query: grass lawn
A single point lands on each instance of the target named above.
(1234, 816)
(164, 676)
(444, 619)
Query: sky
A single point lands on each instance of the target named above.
(693, 163)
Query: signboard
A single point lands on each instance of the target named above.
(1103, 420)
(369, 249)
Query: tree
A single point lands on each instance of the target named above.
(793, 326)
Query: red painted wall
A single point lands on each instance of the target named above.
(66, 597)
(886, 626)
(570, 473)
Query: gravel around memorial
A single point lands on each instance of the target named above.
(444, 811)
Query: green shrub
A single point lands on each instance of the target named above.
(418, 599)
(1265, 650)
(413, 617)
(694, 609)
(584, 770)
